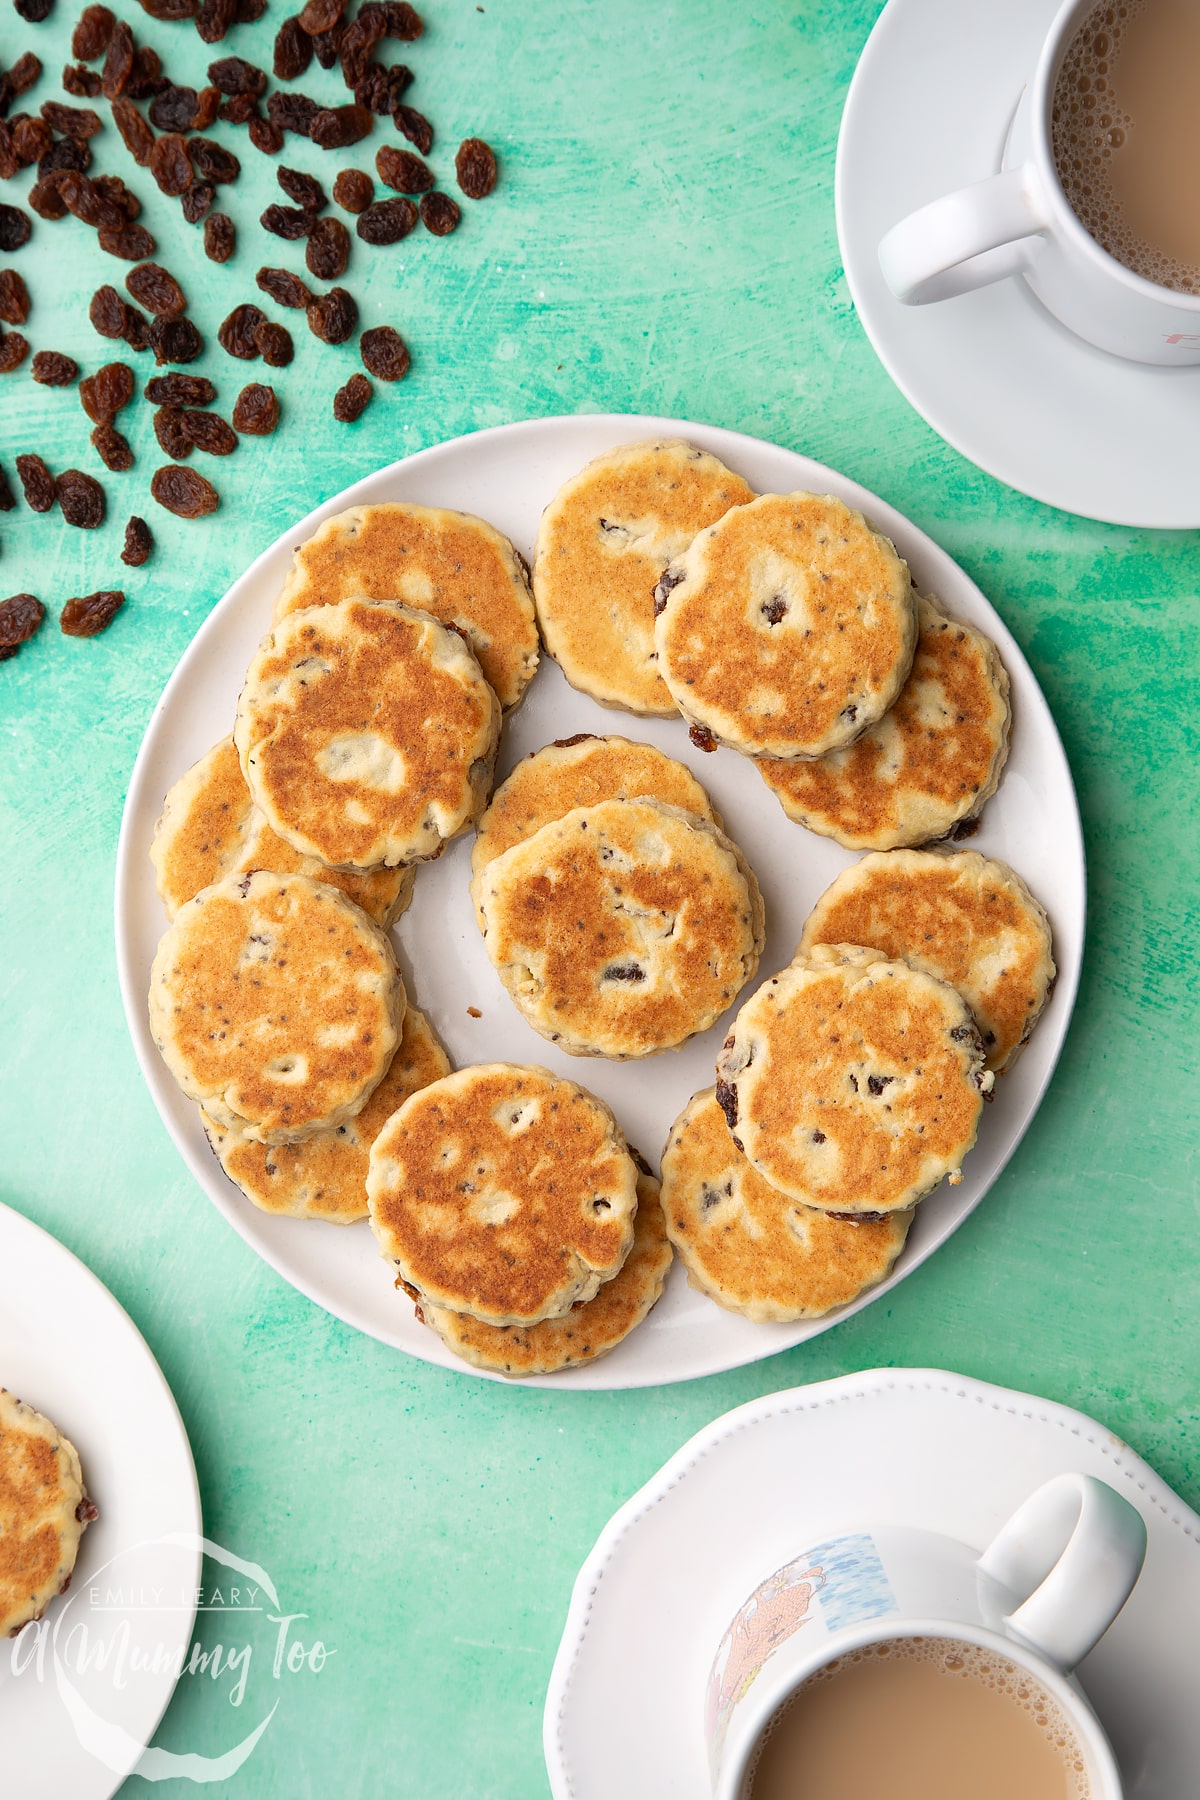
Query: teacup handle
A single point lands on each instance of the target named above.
(977, 235)
(1076, 1547)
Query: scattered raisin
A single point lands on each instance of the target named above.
(13, 350)
(304, 189)
(175, 109)
(34, 12)
(475, 167)
(136, 134)
(53, 369)
(174, 341)
(72, 121)
(107, 312)
(46, 200)
(248, 11)
(32, 139)
(208, 102)
(20, 616)
(256, 411)
(401, 170)
(358, 40)
(266, 136)
(284, 287)
(292, 112)
(146, 77)
(328, 250)
(320, 15)
(138, 543)
(14, 228)
(14, 298)
(81, 499)
(83, 83)
(37, 482)
(180, 390)
(333, 317)
(338, 126)
(415, 127)
(239, 109)
(219, 237)
(386, 222)
(132, 243)
(353, 190)
(170, 428)
(274, 344)
(349, 403)
(87, 615)
(384, 353)
(103, 394)
(19, 79)
(90, 38)
(237, 333)
(381, 89)
(118, 64)
(293, 51)
(289, 222)
(209, 432)
(439, 214)
(326, 44)
(155, 289)
(171, 165)
(183, 492)
(212, 162)
(112, 448)
(111, 188)
(89, 202)
(7, 498)
(233, 75)
(137, 330)
(66, 153)
(403, 21)
(213, 19)
(196, 202)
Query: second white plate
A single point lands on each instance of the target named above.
(508, 475)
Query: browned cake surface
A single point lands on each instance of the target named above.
(788, 627)
(963, 918)
(747, 1245)
(604, 540)
(43, 1512)
(276, 1004)
(460, 569)
(504, 1192)
(853, 1083)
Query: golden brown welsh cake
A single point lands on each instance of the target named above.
(603, 543)
(853, 1083)
(366, 733)
(787, 628)
(44, 1510)
(459, 568)
(621, 929)
(930, 763)
(749, 1247)
(967, 920)
(503, 1191)
(276, 1004)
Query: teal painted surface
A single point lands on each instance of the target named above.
(662, 241)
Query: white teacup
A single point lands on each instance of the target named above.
(1020, 223)
(1042, 1595)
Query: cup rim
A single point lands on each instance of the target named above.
(1102, 1771)
(1068, 221)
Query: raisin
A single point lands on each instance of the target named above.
(180, 390)
(67, 153)
(415, 127)
(138, 543)
(32, 139)
(220, 238)
(208, 102)
(237, 333)
(381, 89)
(14, 298)
(274, 344)
(46, 200)
(107, 312)
(213, 19)
(9, 160)
(137, 329)
(233, 75)
(196, 202)
(37, 482)
(266, 136)
(170, 428)
(7, 498)
(386, 222)
(320, 15)
(146, 78)
(133, 243)
(81, 499)
(72, 121)
(89, 202)
(169, 9)
(304, 189)
(326, 44)
(384, 353)
(103, 394)
(475, 167)
(183, 492)
(34, 12)
(239, 109)
(293, 51)
(20, 616)
(53, 369)
(213, 162)
(353, 190)
(113, 189)
(136, 134)
(284, 287)
(90, 38)
(288, 222)
(113, 449)
(13, 350)
(292, 112)
(339, 126)
(170, 164)
(209, 432)
(84, 83)
(358, 41)
(19, 79)
(118, 64)
(87, 615)
(256, 410)
(333, 317)
(439, 214)
(248, 11)
(328, 250)
(349, 403)
(174, 109)
(14, 228)
(403, 21)
(401, 170)
(174, 341)
(155, 289)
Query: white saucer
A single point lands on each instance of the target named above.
(907, 1446)
(68, 1349)
(929, 110)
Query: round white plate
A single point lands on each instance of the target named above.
(68, 1349)
(508, 475)
(929, 110)
(889, 1446)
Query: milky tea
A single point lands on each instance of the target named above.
(1125, 131)
(920, 1719)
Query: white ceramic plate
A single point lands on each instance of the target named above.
(929, 110)
(508, 475)
(68, 1349)
(888, 1446)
